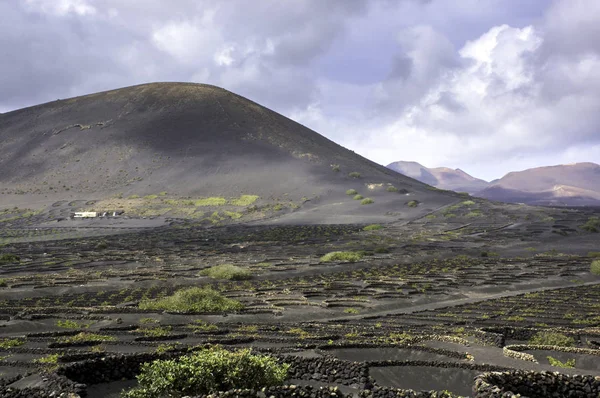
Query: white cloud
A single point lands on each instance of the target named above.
(61, 7)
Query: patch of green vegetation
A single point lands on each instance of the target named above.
(552, 338)
(593, 254)
(351, 192)
(8, 258)
(592, 225)
(51, 359)
(211, 201)
(193, 299)
(449, 215)
(150, 197)
(595, 267)
(358, 197)
(515, 318)
(158, 331)
(70, 324)
(244, 200)
(413, 203)
(392, 189)
(227, 271)
(373, 227)
(206, 372)
(430, 216)
(349, 257)
(354, 174)
(335, 167)
(163, 193)
(86, 336)
(489, 254)
(278, 207)
(474, 213)
(468, 203)
(567, 365)
(148, 321)
(367, 201)
(9, 343)
(351, 311)
(133, 197)
(234, 215)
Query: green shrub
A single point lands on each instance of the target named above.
(593, 254)
(48, 359)
(85, 336)
(413, 203)
(212, 201)
(207, 371)
(8, 258)
(592, 225)
(349, 257)
(8, 343)
(555, 362)
(373, 227)
(358, 197)
(351, 192)
(367, 201)
(227, 271)
(70, 324)
(163, 193)
(193, 299)
(244, 200)
(468, 203)
(335, 167)
(391, 189)
(595, 267)
(133, 197)
(351, 311)
(354, 174)
(150, 197)
(158, 331)
(552, 338)
(474, 213)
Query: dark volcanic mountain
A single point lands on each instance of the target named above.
(190, 140)
(575, 184)
(440, 177)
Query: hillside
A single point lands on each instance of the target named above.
(575, 184)
(440, 177)
(181, 140)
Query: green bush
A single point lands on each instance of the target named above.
(413, 203)
(351, 192)
(552, 338)
(594, 254)
(349, 257)
(555, 362)
(150, 197)
(592, 225)
(595, 267)
(358, 197)
(85, 336)
(354, 174)
(367, 201)
(335, 167)
(8, 258)
(227, 271)
(8, 343)
(373, 227)
(206, 372)
(391, 189)
(193, 299)
(244, 200)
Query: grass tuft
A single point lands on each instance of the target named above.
(351, 192)
(227, 271)
(373, 227)
(193, 299)
(349, 257)
(367, 201)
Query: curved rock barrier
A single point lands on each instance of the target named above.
(515, 351)
(535, 385)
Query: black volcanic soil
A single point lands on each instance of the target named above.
(416, 309)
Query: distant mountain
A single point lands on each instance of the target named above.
(576, 184)
(440, 177)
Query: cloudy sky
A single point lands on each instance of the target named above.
(488, 86)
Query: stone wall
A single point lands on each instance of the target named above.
(535, 385)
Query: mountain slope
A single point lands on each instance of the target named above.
(190, 140)
(572, 184)
(440, 177)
